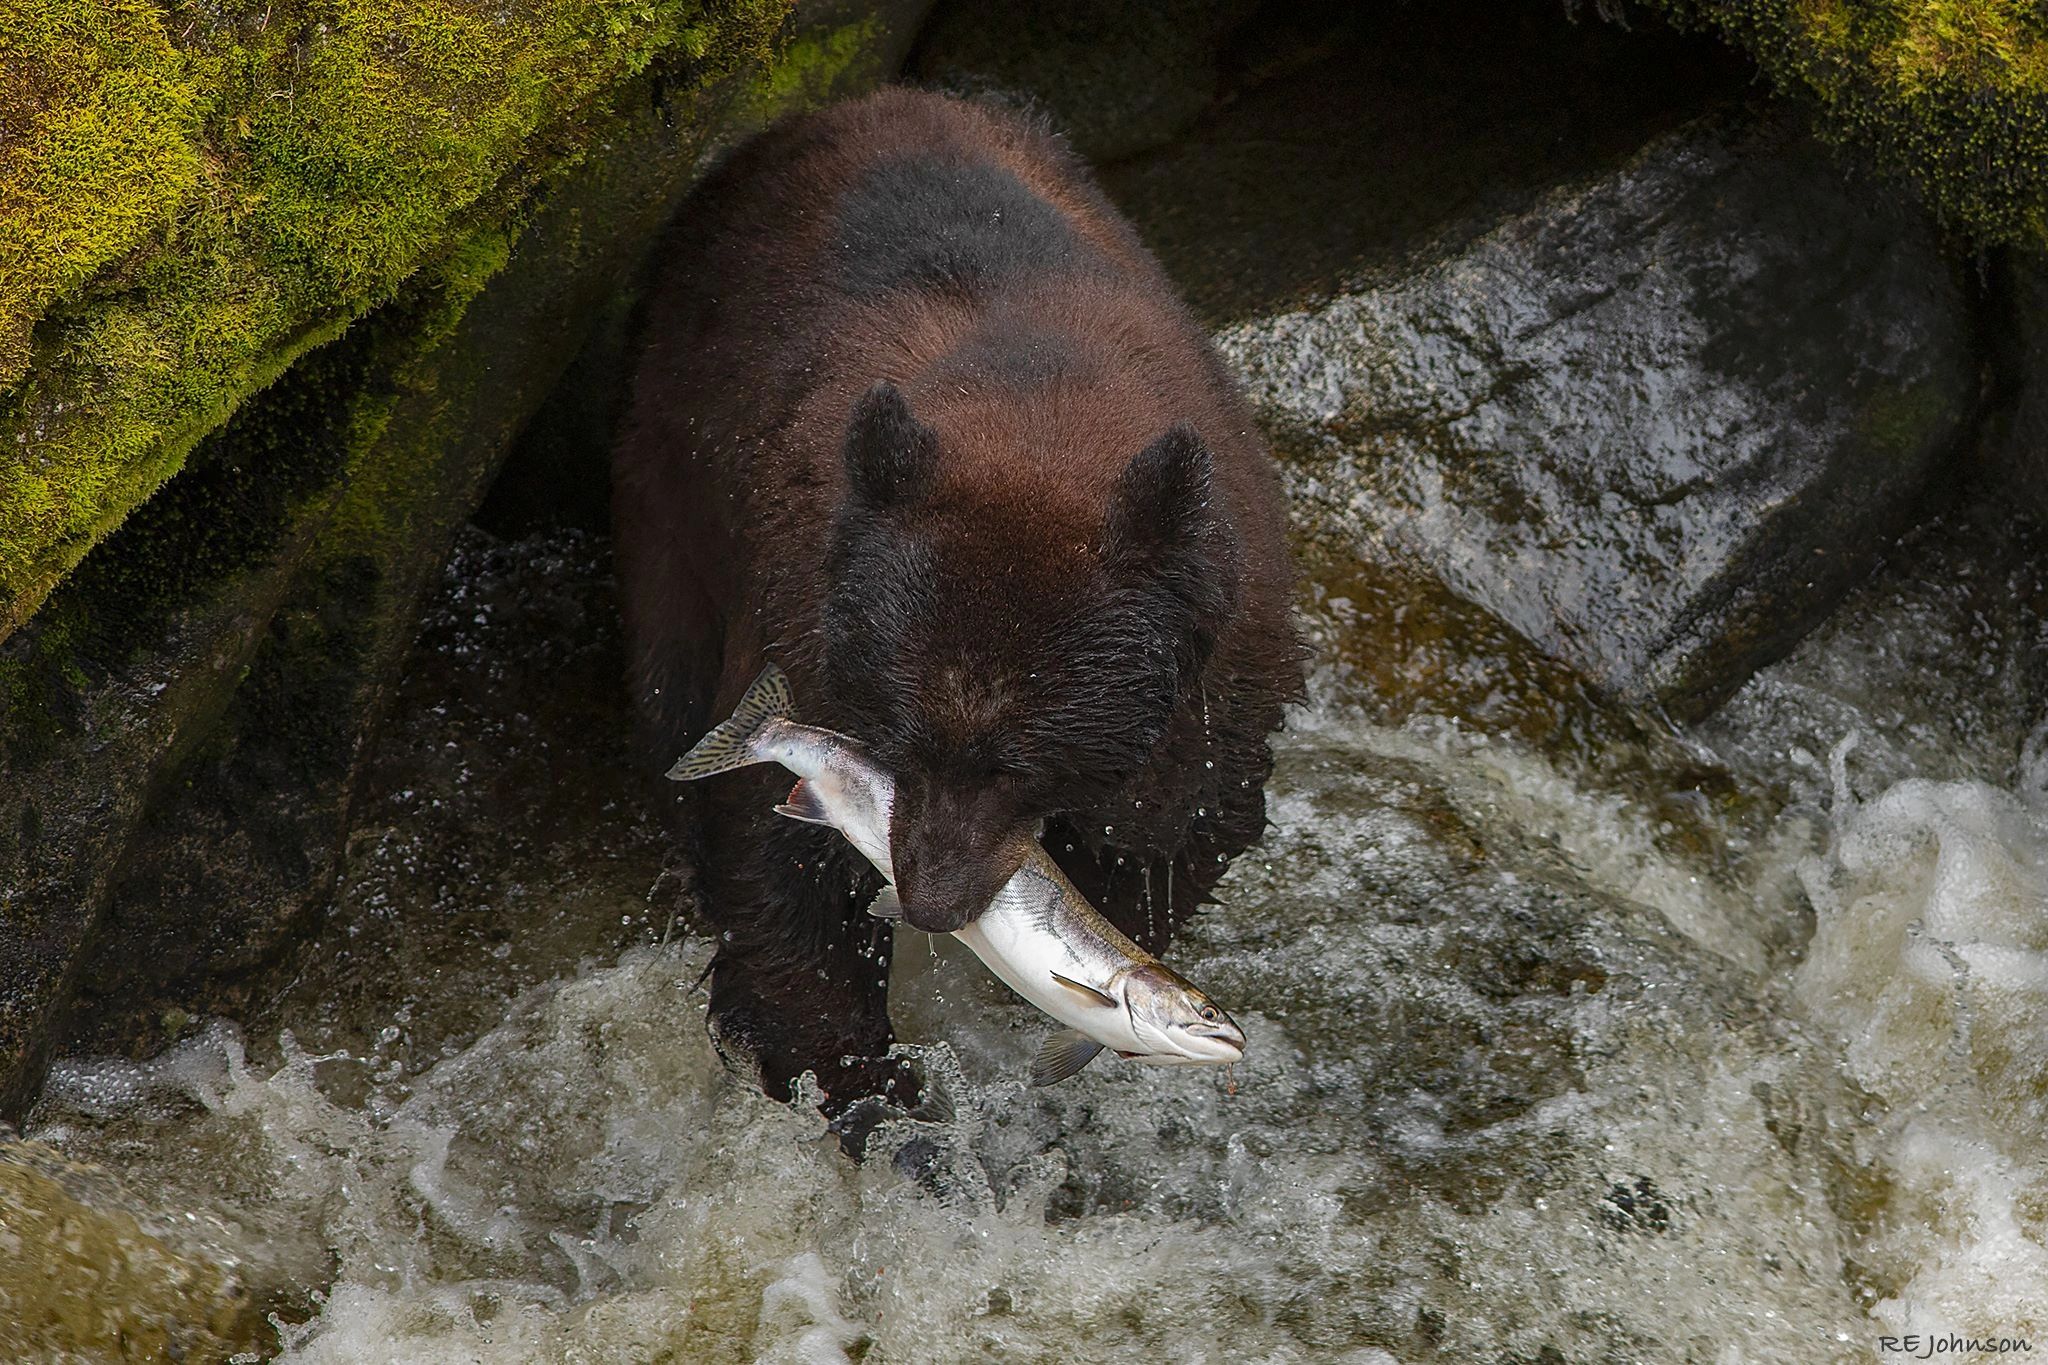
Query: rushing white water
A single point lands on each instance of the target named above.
(1527, 1074)
(1929, 965)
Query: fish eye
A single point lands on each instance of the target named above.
(1211, 1014)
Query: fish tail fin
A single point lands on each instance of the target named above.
(730, 743)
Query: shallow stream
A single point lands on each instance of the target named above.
(1729, 1046)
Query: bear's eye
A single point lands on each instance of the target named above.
(994, 762)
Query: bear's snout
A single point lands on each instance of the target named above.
(952, 851)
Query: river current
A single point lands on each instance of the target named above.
(1553, 1056)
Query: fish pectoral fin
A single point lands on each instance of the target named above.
(1065, 1053)
(803, 804)
(1094, 997)
(886, 904)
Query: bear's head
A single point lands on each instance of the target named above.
(1010, 651)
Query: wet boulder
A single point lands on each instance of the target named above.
(1658, 422)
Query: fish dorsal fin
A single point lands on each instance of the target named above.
(1094, 997)
(728, 746)
(1065, 1053)
(803, 804)
(886, 904)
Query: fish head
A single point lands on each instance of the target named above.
(1176, 1022)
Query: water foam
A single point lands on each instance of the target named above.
(1929, 965)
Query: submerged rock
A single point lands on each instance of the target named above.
(1658, 423)
(87, 1276)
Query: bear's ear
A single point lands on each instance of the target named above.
(891, 457)
(1163, 529)
(1161, 502)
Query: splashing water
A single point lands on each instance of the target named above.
(1929, 965)
(1526, 1073)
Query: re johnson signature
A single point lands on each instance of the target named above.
(1917, 1347)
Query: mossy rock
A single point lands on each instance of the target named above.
(191, 198)
(1951, 93)
(87, 1279)
(182, 724)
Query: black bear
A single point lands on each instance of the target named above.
(916, 417)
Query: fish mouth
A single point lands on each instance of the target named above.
(1217, 1043)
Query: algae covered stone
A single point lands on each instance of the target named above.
(1953, 93)
(191, 198)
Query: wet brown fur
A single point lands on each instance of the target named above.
(993, 633)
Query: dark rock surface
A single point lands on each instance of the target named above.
(2015, 451)
(183, 725)
(1116, 79)
(1658, 423)
(1346, 137)
(493, 841)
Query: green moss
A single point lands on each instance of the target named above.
(1951, 93)
(97, 146)
(190, 198)
(811, 67)
(1903, 420)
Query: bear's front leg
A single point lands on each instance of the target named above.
(800, 978)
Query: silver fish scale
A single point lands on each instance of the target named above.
(1045, 908)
